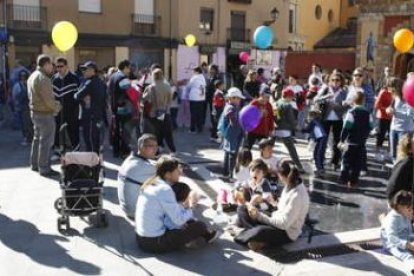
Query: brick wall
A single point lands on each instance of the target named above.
(300, 63)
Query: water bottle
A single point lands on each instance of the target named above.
(220, 218)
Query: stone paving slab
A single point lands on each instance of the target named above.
(31, 244)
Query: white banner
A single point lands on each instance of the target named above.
(187, 59)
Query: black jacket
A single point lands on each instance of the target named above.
(93, 97)
(117, 94)
(64, 91)
(401, 177)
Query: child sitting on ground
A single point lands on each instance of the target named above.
(397, 229)
(182, 194)
(241, 170)
(266, 154)
(257, 190)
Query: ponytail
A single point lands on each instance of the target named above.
(289, 170)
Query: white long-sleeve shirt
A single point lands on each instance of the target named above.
(292, 209)
(196, 88)
(155, 203)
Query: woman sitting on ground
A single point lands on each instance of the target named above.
(157, 201)
(285, 224)
(402, 173)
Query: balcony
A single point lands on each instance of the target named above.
(144, 24)
(27, 17)
(237, 34)
(241, 1)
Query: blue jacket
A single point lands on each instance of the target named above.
(93, 97)
(316, 130)
(232, 140)
(395, 233)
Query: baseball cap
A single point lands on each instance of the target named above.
(288, 93)
(235, 92)
(89, 64)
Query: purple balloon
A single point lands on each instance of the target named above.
(249, 117)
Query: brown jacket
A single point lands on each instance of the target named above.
(40, 90)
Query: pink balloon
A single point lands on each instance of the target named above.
(244, 56)
(408, 91)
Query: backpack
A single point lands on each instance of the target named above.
(223, 125)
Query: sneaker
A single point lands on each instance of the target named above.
(364, 173)
(212, 236)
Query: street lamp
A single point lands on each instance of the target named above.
(274, 14)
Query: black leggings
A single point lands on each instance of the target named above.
(258, 232)
(384, 128)
(173, 240)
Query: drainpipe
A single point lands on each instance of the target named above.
(170, 63)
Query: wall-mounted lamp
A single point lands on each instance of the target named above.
(274, 14)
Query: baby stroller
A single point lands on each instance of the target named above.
(82, 189)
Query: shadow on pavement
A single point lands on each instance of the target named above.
(41, 248)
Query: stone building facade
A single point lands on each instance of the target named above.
(378, 21)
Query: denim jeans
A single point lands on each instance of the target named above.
(319, 152)
(43, 139)
(197, 115)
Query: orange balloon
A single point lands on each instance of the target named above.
(403, 40)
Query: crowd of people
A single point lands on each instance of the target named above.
(59, 111)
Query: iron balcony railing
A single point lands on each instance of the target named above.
(241, 1)
(26, 17)
(237, 34)
(144, 24)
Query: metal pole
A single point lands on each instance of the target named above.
(170, 63)
(5, 49)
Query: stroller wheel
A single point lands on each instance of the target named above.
(63, 224)
(58, 204)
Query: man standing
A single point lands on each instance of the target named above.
(134, 171)
(213, 76)
(93, 98)
(65, 85)
(121, 108)
(43, 108)
(197, 95)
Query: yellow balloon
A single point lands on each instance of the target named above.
(190, 40)
(64, 35)
(403, 40)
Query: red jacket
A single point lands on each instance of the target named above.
(383, 101)
(266, 125)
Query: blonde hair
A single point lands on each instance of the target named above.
(404, 149)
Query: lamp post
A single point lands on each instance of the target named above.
(274, 15)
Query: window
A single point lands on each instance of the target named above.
(26, 10)
(144, 11)
(206, 19)
(92, 6)
(351, 3)
(318, 12)
(291, 21)
(330, 16)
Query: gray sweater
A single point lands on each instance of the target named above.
(159, 95)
